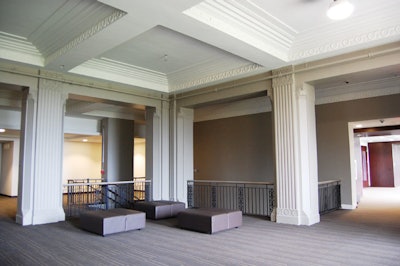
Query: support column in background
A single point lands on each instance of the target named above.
(118, 145)
(295, 148)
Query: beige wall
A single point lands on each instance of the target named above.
(139, 157)
(81, 160)
(9, 167)
(234, 149)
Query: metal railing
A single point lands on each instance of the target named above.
(87, 194)
(252, 198)
(329, 196)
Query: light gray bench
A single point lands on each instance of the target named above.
(105, 222)
(159, 209)
(209, 220)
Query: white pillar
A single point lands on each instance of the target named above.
(296, 152)
(42, 156)
(184, 152)
(157, 151)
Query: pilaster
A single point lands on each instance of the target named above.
(184, 152)
(295, 148)
(157, 151)
(153, 148)
(26, 157)
(166, 178)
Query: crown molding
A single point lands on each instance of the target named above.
(309, 49)
(105, 68)
(248, 23)
(17, 48)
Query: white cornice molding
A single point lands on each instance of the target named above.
(108, 69)
(248, 23)
(366, 38)
(17, 48)
(116, 15)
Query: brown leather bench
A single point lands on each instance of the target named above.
(105, 222)
(159, 209)
(209, 220)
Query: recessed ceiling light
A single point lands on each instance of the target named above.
(85, 140)
(340, 9)
(2, 130)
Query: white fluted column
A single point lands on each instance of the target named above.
(157, 152)
(42, 156)
(295, 147)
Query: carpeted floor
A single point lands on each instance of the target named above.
(369, 235)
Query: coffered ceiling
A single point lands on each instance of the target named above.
(177, 45)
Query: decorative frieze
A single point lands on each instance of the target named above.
(245, 69)
(353, 40)
(117, 14)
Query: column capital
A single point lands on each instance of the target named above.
(283, 76)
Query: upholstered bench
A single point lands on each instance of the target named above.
(112, 221)
(209, 220)
(159, 209)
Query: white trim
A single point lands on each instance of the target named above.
(348, 207)
(353, 169)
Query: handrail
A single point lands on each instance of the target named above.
(255, 183)
(106, 183)
(328, 182)
(235, 182)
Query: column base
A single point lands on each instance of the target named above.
(294, 217)
(48, 216)
(23, 219)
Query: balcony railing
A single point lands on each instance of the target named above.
(87, 194)
(252, 198)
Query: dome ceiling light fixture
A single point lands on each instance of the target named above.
(340, 9)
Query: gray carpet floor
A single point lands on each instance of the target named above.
(369, 235)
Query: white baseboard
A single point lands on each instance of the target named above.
(348, 207)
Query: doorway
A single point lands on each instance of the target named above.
(375, 155)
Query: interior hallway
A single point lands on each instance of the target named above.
(368, 235)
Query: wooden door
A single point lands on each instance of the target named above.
(381, 164)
